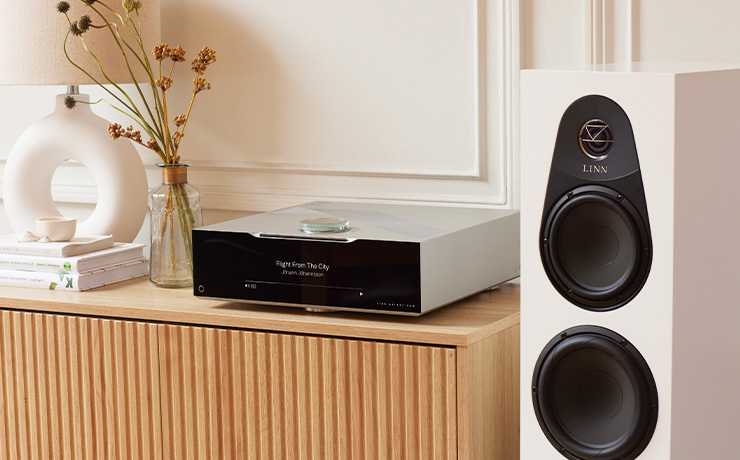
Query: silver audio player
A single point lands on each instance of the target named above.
(379, 258)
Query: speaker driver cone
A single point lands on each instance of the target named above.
(595, 248)
(594, 395)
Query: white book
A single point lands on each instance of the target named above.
(78, 245)
(75, 281)
(120, 252)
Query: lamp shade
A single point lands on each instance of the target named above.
(32, 34)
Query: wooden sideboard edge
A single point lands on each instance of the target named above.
(495, 328)
(370, 327)
(269, 326)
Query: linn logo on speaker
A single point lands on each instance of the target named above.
(595, 138)
(595, 169)
(630, 326)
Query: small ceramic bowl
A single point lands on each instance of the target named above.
(56, 228)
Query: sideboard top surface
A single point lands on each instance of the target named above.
(459, 324)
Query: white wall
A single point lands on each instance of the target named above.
(411, 101)
(574, 32)
(385, 101)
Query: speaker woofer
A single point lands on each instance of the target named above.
(596, 248)
(594, 395)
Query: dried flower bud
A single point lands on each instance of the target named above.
(129, 133)
(70, 102)
(84, 23)
(152, 144)
(131, 5)
(115, 130)
(205, 57)
(164, 83)
(62, 7)
(161, 52)
(198, 68)
(179, 120)
(89, 2)
(200, 85)
(177, 137)
(75, 30)
(177, 54)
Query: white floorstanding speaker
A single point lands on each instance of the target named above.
(630, 219)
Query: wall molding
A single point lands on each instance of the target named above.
(491, 182)
(494, 182)
(609, 31)
(328, 170)
(510, 66)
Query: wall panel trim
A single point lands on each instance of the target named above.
(491, 182)
(608, 31)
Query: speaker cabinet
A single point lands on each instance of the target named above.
(630, 263)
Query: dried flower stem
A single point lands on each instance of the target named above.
(153, 131)
(186, 221)
(169, 155)
(113, 29)
(153, 119)
(145, 63)
(187, 115)
(136, 35)
(131, 106)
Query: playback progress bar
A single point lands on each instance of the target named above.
(254, 284)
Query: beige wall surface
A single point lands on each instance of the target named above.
(575, 32)
(412, 101)
(387, 101)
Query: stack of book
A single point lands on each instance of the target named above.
(77, 265)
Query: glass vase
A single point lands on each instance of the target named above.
(174, 210)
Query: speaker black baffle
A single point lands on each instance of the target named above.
(595, 240)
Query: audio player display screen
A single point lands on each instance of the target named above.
(363, 274)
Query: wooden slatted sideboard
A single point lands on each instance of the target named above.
(131, 371)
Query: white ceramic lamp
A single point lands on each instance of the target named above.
(35, 56)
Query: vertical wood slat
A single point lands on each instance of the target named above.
(488, 406)
(67, 383)
(275, 396)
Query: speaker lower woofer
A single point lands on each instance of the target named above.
(594, 395)
(596, 248)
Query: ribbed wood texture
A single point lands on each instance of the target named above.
(78, 388)
(490, 418)
(230, 394)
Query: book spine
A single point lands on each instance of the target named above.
(31, 251)
(37, 263)
(43, 280)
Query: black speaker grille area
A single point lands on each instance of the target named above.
(595, 248)
(594, 395)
